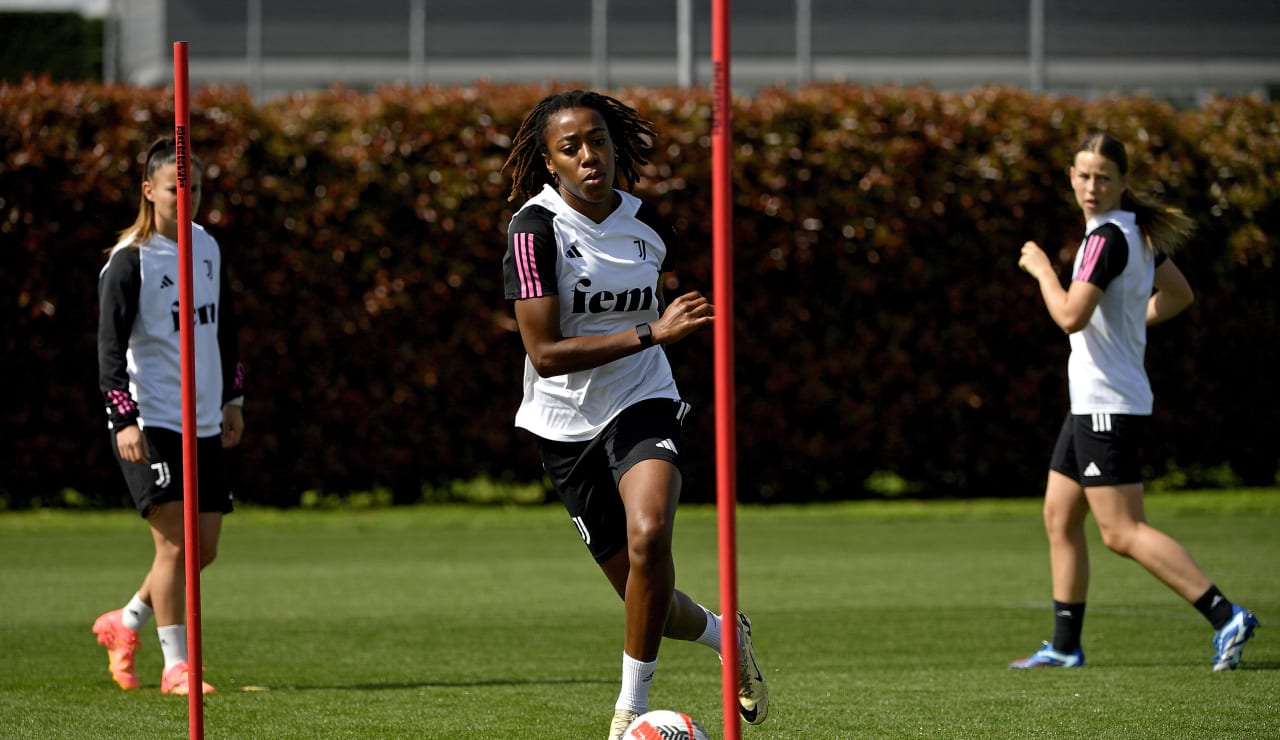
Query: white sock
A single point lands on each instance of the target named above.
(173, 641)
(637, 676)
(711, 636)
(135, 614)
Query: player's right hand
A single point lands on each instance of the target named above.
(132, 444)
(1033, 260)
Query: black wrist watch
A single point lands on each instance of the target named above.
(646, 335)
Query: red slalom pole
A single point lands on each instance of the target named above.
(722, 287)
(186, 337)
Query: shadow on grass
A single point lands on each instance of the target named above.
(436, 684)
(1178, 664)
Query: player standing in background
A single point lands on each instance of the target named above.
(583, 265)
(140, 375)
(1095, 464)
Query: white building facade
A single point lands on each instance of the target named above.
(1175, 49)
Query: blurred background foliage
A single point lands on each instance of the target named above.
(63, 46)
(887, 343)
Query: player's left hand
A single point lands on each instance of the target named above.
(686, 314)
(232, 426)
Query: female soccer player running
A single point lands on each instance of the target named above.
(583, 265)
(140, 375)
(1095, 464)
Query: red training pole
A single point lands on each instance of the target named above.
(722, 287)
(186, 336)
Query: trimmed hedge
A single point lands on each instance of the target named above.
(881, 323)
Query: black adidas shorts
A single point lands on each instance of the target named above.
(1100, 449)
(586, 474)
(160, 481)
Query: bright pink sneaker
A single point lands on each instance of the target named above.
(120, 642)
(176, 681)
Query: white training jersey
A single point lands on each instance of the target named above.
(606, 277)
(1106, 370)
(138, 334)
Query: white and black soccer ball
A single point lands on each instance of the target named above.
(664, 724)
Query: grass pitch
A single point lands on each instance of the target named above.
(872, 620)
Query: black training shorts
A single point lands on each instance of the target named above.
(1100, 449)
(586, 474)
(160, 480)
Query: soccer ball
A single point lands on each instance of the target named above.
(664, 724)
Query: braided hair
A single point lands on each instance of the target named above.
(1166, 228)
(630, 133)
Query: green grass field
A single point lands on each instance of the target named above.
(875, 620)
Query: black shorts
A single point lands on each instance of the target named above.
(1100, 449)
(160, 481)
(586, 474)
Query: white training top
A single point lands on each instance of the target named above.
(1106, 370)
(606, 276)
(148, 274)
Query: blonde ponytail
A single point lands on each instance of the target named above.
(161, 152)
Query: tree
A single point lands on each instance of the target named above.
(62, 46)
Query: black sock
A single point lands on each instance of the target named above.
(1068, 620)
(1215, 607)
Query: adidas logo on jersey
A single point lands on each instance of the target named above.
(165, 282)
(667, 444)
(572, 252)
(1092, 470)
